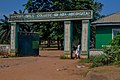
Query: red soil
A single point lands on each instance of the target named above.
(48, 66)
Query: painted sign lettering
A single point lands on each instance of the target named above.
(52, 16)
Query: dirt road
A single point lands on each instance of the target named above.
(46, 67)
(49, 66)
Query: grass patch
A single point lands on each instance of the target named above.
(84, 60)
(7, 56)
(65, 57)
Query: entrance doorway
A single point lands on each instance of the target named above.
(77, 33)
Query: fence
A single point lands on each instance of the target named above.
(4, 49)
(94, 52)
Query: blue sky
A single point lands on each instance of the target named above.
(8, 6)
(110, 6)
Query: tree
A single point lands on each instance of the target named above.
(33, 6)
(80, 5)
(4, 30)
(5, 27)
(88, 5)
(57, 31)
(64, 5)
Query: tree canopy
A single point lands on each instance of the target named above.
(33, 6)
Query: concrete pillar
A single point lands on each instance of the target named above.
(68, 37)
(14, 38)
(85, 43)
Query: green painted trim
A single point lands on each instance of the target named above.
(16, 36)
(71, 32)
(81, 41)
(88, 39)
(64, 36)
(71, 36)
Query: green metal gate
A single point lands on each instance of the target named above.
(28, 44)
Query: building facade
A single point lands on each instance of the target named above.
(106, 29)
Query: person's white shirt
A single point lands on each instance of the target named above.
(78, 50)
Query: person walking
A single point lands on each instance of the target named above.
(77, 52)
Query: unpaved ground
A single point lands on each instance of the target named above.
(46, 67)
(50, 67)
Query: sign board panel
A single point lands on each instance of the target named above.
(52, 16)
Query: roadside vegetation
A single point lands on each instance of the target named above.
(111, 54)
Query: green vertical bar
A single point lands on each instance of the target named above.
(71, 37)
(16, 37)
(88, 38)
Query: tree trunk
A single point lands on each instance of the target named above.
(48, 44)
(58, 43)
(61, 42)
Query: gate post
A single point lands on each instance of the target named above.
(68, 38)
(14, 38)
(85, 43)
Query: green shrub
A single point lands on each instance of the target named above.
(113, 52)
(100, 60)
(96, 61)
